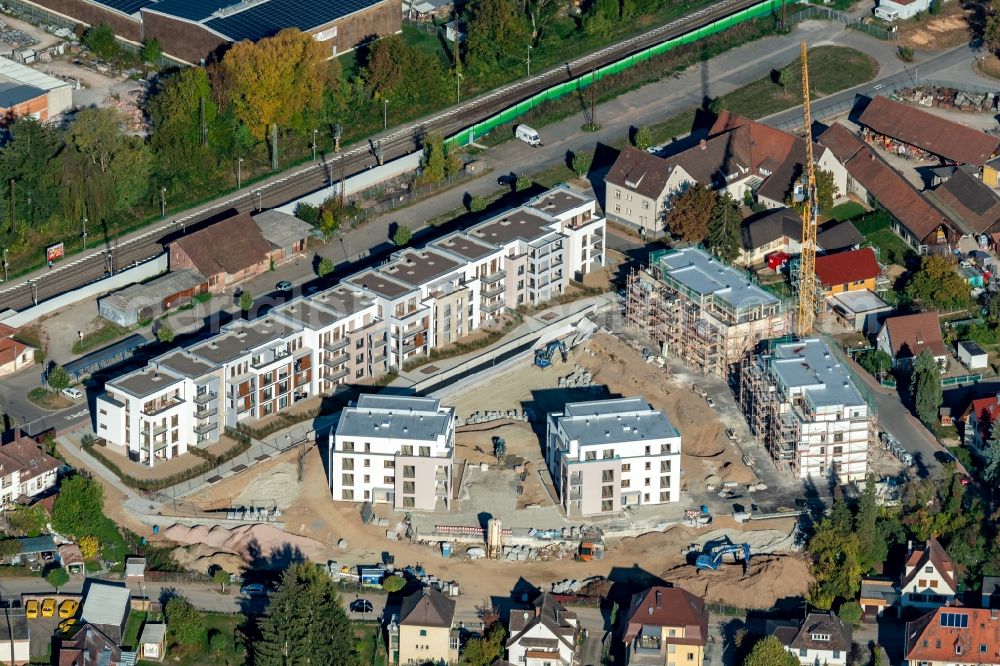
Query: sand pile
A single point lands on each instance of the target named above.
(203, 558)
(250, 542)
(280, 484)
(770, 578)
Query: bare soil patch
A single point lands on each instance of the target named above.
(949, 29)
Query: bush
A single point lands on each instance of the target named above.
(325, 267)
(850, 612)
(101, 40)
(581, 163)
(393, 584)
(477, 204)
(165, 334)
(402, 236)
(904, 53)
(307, 213)
(185, 623)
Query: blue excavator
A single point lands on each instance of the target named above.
(711, 559)
(543, 355)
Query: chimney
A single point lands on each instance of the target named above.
(538, 611)
(659, 599)
(703, 144)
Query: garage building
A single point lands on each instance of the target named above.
(195, 31)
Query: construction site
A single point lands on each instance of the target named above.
(702, 312)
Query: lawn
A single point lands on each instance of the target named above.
(132, 628)
(673, 127)
(831, 69)
(231, 651)
(48, 399)
(846, 211)
(106, 332)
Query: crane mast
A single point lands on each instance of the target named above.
(807, 260)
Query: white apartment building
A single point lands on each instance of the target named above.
(804, 405)
(607, 454)
(397, 450)
(372, 322)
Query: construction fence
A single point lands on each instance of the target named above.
(469, 134)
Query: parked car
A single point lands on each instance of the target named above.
(284, 285)
(69, 626)
(253, 591)
(31, 609)
(48, 607)
(361, 606)
(72, 393)
(711, 403)
(68, 608)
(964, 479)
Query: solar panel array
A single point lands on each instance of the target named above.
(127, 6)
(273, 16)
(192, 10)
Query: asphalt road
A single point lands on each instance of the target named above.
(114, 254)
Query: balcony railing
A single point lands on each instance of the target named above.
(379, 359)
(205, 413)
(407, 348)
(334, 375)
(494, 277)
(334, 361)
(336, 345)
(492, 307)
(205, 397)
(162, 406)
(278, 355)
(206, 428)
(493, 291)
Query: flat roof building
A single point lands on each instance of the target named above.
(607, 454)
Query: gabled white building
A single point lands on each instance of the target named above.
(607, 454)
(544, 635)
(397, 450)
(929, 577)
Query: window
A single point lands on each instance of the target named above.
(665, 466)
(425, 451)
(928, 569)
(649, 465)
(406, 450)
(627, 467)
(408, 503)
(367, 462)
(348, 495)
(836, 654)
(690, 656)
(626, 483)
(388, 480)
(409, 472)
(982, 648)
(423, 632)
(959, 620)
(590, 455)
(606, 492)
(608, 453)
(368, 479)
(453, 643)
(671, 632)
(347, 464)
(389, 464)
(347, 479)
(607, 505)
(409, 487)
(347, 446)
(607, 475)
(803, 652)
(647, 482)
(820, 637)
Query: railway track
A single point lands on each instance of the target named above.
(94, 264)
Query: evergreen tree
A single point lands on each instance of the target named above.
(926, 382)
(724, 229)
(305, 622)
(643, 138)
(992, 454)
(872, 548)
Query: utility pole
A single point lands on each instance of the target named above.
(314, 145)
(274, 147)
(239, 172)
(84, 232)
(5, 264)
(203, 134)
(13, 203)
(458, 87)
(385, 114)
(163, 202)
(529, 59)
(34, 291)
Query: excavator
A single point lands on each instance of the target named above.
(543, 356)
(711, 559)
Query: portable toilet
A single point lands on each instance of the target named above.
(445, 549)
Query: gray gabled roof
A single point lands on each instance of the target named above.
(427, 608)
(105, 604)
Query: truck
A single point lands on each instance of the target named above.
(528, 135)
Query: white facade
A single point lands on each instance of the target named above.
(900, 10)
(607, 454)
(396, 450)
(373, 322)
(814, 656)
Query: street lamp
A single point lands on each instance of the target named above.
(163, 202)
(385, 114)
(458, 87)
(529, 59)
(314, 145)
(239, 172)
(5, 264)
(84, 232)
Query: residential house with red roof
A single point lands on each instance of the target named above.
(906, 336)
(953, 637)
(26, 470)
(915, 219)
(14, 354)
(665, 625)
(821, 638)
(854, 270)
(979, 418)
(544, 634)
(227, 252)
(929, 578)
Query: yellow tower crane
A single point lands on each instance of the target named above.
(807, 261)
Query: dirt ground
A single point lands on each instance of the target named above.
(950, 28)
(474, 445)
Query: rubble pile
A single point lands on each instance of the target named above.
(499, 415)
(949, 98)
(16, 38)
(579, 378)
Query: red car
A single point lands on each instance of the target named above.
(964, 479)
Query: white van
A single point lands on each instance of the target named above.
(528, 135)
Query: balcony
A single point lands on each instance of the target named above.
(336, 345)
(205, 428)
(379, 359)
(412, 346)
(159, 430)
(374, 343)
(334, 361)
(205, 397)
(490, 308)
(205, 413)
(494, 277)
(335, 375)
(269, 359)
(161, 406)
(442, 475)
(493, 291)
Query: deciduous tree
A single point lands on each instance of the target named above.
(184, 622)
(57, 577)
(101, 40)
(992, 454)
(498, 33)
(826, 189)
(643, 138)
(30, 164)
(486, 650)
(79, 507)
(57, 377)
(402, 235)
(937, 285)
(432, 164)
(691, 212)
(325, 267)
(246, 300)
(305, 622)
(90, 546)
(769, 652)
(165, 334)
(393, 583)
(724, 229)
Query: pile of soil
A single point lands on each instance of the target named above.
(770, 578)
(203, 558)
(249, 542)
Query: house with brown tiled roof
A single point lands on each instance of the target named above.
(425, 632)
(953, 637)
(665, 625)
(636, 189)
(979, 418)
(821, 638)
(905, 336)
(227, 252)
(544, 634)
(14, 354)
(26, 470)
(914, 218)
(907, 130)
(968, 202)
(929, 577)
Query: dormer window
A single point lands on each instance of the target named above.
(820, 637)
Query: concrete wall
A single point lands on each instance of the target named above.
(182, 39)
(89, 13)
(143, 271)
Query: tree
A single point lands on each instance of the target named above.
(581, 163)
(165, 334)
(275, 80)
(218, 642)
(691, 212)
(305, 621)
(399, 72)
(325, 267)
(875, 362)
(991, 471)
(850, 612)
(402, 236)
(30, 165)
(178, 108)
(432, 163)
(184, 622)
(836, 565)
(926, 381)
(27, 521)
(936, 285)
(486, 650)
(57, 577)
(872, 546)
(496, 31)
(79, 507)
(57, 378)
(151, 50)
(9, 548)
(769, 652)
(785, 78)
(90, 546)
(724, 229)
(991, 31)
(101, 40)
(221, 578)
(393, 584)
(826, 189)
(328, 223)
(246, 301)
(643, 138)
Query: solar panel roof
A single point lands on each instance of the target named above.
(269, 18)
(192, 10)
(126, 6)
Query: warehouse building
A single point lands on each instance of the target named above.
(195, 31)
(27, 92)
